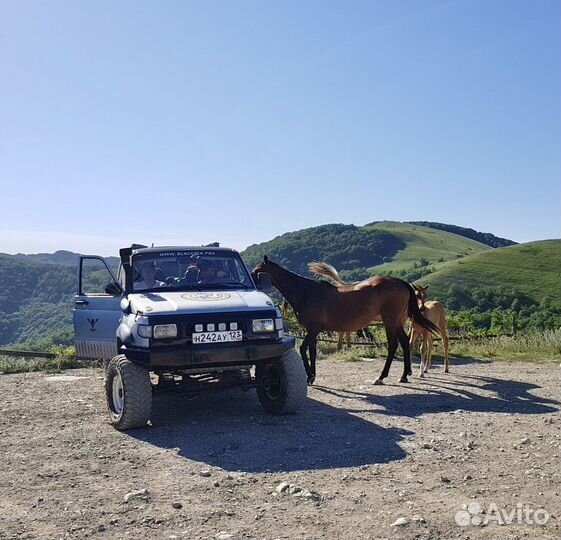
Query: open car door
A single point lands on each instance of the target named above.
(97, 309)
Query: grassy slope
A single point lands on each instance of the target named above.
(432, 244)
(533, 268)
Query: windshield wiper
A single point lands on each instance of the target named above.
(233, 285)
(179, 287)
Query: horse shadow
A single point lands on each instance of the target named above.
(437, 394)
(230, 430)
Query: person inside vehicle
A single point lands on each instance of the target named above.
(187, 277)
(148, 274)
(191, 273)
(208, 272)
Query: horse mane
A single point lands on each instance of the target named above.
(301, 278)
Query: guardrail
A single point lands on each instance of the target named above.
(27, 354)
(42, 354)
(436, 339)
(36, 354)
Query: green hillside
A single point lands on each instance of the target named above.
(35, 300)
(58, 257)
(357, 252)
(530, 272)
(485, 238)
(349, 248)
(423, 246)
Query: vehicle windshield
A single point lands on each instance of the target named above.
(189, 270)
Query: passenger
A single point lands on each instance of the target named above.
(190, 275)
(192, 271)
(160, 276)
(149, 281)
(207, 272)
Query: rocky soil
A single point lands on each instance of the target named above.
(472, 454)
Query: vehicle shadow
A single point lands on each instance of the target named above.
(442, 393)
(230, 430)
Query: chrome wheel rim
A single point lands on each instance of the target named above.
(118, 394)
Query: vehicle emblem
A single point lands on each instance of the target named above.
(92, 324)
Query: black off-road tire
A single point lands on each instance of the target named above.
(129, 393)
(281, 384)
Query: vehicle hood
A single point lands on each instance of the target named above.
(159, 303)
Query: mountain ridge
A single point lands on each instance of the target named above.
(37, 293)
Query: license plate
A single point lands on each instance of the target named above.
(217, 337)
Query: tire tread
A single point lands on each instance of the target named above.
(137, 404)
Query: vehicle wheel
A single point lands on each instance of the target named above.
(129, 393)
(281, 384)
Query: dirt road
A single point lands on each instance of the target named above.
(359, 458)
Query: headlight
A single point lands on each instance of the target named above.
(263, 325)
(162, 331)
(144, 330)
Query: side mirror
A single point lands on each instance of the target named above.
(264, 282)
(114, 289)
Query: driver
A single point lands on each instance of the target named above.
(149, 281)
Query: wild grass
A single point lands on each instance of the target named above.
(65, 359)
(531, 347)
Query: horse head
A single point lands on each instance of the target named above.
(264, 266)
(421, 294)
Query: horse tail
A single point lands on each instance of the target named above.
(417, 316)
(325, 269)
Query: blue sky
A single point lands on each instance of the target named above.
(189, 122)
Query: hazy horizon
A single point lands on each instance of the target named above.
(177, 241)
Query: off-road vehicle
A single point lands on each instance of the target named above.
(184, 318)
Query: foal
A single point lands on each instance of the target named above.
(434, 311)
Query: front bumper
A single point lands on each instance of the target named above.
(211, 356)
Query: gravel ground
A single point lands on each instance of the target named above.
(357, 460)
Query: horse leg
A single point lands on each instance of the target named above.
(340, 342)
(429, 351)
(348, 336)
(309, 344)
(404, 342)
(392, 347)
(445, 342)
(414, 336)
(313, 355)
(423, 355)
(304, 354)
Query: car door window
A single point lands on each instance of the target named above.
(94, 277)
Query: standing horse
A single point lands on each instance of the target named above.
(434, 311)
(341, 336)
(325, 269)
(320, 306)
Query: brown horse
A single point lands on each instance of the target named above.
(325, 269)
(341, 336)
(434, 311)
(320, 306)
